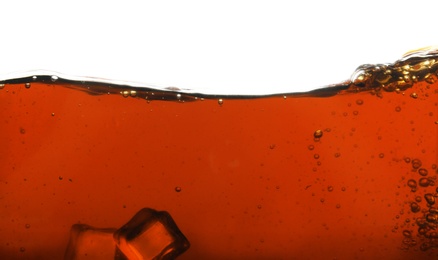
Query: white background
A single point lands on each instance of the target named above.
(213, 46)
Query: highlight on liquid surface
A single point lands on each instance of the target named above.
(343, 172)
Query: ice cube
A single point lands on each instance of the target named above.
(151, 234)
(87, 242)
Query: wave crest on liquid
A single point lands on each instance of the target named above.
(415, 66)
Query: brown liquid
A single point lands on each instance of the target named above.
(345, 172)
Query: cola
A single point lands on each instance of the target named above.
(341, 172)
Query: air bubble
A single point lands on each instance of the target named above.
(178, 96)
(311, 147)
(359, 102)
(424, 182)
(429, 78)
(337, 155)
(54, 78)
(381, 155)
(125, 93)
(415, 207)
(27, 226)
(27, 85)
(416, 163)
(330, 188)
(2, 86)
(178, 189)
(34, 78)
(133, 93)
(397, 109)
(220, 101)
(422, 230)
(430, 199)
(412, 184)
(431, 218)
(317, 133)
(422, 171)
(22, 249)
(414, 95)
(316, 156)
(407, 233)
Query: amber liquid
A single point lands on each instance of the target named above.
(243, 177)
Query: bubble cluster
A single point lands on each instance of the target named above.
(422, 205)
(398, 76)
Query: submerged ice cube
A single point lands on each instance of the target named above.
(87, 242)
(151, 234)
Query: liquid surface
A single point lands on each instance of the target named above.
(344, 172)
